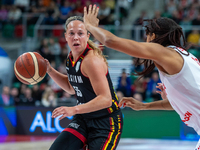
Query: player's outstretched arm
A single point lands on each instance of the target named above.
(130, 47)
(59, 78)
(137, 105)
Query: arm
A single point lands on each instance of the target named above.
(130, 47)
(158, 105)
(137, 105)
(95, 69)
(60, 79)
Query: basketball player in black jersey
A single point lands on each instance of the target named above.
(97, 118)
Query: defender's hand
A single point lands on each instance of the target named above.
(162, 92)
(90, 17)
(132, 103)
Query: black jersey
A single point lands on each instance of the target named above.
(83, 87)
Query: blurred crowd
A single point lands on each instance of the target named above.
(141, 88)
(54, 48)
(184, 12)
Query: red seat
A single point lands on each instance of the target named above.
(62, 42)
(58, 31)
(18, 31)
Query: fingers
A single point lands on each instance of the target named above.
(124, 101)
(85, 11)
(159, 92)
(92, 10)
(62, 117)
(57, 112)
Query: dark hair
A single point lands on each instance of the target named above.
(167, 32)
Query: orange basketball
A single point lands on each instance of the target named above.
(30, 68)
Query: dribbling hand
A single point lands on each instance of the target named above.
(48, 66)
(64, 111)
(132, 103)
(90, 17)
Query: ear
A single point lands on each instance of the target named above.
(88, 35)
(153, 36)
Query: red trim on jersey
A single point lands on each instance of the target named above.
(82, 61)
(70, 54)
(107, 72)
(77, 134)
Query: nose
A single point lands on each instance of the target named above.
(75, 36)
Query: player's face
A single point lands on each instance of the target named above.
(76, 36)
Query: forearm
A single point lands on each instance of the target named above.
(102, 35)
(158, 105)
(61, 80)
(98, 103)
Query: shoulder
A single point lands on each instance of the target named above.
(93, 59)
(94, 62)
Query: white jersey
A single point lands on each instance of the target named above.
(183, 90)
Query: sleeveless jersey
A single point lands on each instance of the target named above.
(83, 87)
(183, 90)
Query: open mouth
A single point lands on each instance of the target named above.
(76, 44)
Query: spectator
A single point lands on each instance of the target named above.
(22, 4)
(52, 14)
(124, 84)
(65, 12)
(27, 99)
(55, 49)
(3, 15)
(78, 10)
(104, 14)
(37, 94)
(5, 98)
(15, 94)
(139, 21)
(196, 21)
(151, 87)
(194, 37)
(49, 98)
(14, 15)
(171, 6)
(140, 87)
(123, 8)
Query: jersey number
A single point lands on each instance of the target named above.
(78, 92)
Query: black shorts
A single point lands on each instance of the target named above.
(98, 134)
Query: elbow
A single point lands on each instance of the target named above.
(108, 102)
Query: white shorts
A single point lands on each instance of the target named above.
(198, 145)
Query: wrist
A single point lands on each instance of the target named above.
(145, 106)
(49, 70)
(77, 109)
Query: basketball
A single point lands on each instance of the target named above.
(30, 68)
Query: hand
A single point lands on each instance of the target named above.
(162, 92)
(90, 17)
(132, 103)
(48, 66)
(64, 111)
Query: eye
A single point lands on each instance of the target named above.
(80, 33)
(71, 33)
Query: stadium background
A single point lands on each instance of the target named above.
(38, 25)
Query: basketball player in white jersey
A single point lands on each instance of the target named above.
(179, 70)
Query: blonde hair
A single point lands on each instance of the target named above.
(91, 44)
